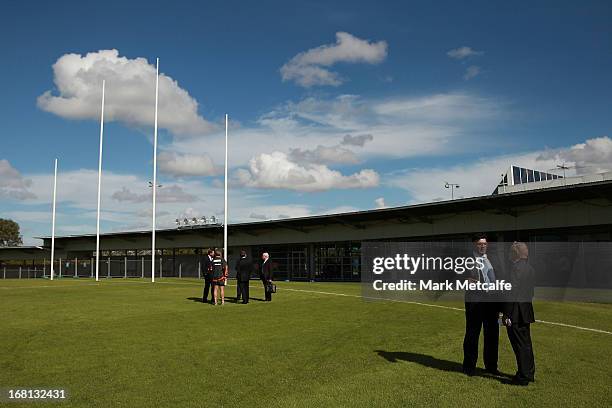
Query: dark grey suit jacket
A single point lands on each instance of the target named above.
(518, 306)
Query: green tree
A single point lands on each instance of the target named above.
(9, 233)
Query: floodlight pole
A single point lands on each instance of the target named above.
(452, 186)
(53, 218)
(99, 185)
(154, 172)
(225, 193)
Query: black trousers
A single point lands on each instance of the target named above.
(242, 291)
(480, 315)
(268, 294)
(520, 339)
(207, 289)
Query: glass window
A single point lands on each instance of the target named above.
(529, 176)
(337, 261)
(516, 175)
(523, 175)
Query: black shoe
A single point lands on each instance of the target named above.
(493, 371)
(469, 371)
(530, 379)
(523, 382)
(244, 303)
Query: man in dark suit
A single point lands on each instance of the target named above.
(243, 275)
(518, 313)
(481, 312)
(206, 263)
(265, 272)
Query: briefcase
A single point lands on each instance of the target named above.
(271, 288)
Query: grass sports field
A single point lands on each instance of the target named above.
(135, 344)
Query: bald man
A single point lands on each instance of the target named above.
(518, 313)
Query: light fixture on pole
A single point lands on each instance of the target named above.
(504, 181)
(99, 185)
(563, 167)
(154, 183)
(452, 186)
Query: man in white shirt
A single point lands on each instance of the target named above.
(481, 312)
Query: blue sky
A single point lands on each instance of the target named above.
(335, 106)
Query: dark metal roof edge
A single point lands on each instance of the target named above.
(428, 204)
(38, 247)
(136, 232)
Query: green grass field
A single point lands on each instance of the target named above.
(135, 344)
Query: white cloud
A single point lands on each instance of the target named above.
(330, 131)
(471, 72)
(463, 52)
(280, 211)
(12, 184)
(36, 216)
(277, 171)
(174, 194)
(148, 212)
(359, 140)
(129, 96)
(482, 176)
(181, 165)
(438, 109)
(77, 192)
(380, 202)
(323, 155)
(475, 178)
(126, 194)
(592, 156)
(165, 194)
(77, 199)
(307, 68)
(261, 212)
(336, 154)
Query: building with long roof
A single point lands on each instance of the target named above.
(328, 247)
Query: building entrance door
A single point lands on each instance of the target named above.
(298, 265)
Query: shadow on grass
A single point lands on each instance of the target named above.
(438, 364)
(228, 299)
(196, 299)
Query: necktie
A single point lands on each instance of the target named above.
(485, 270)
